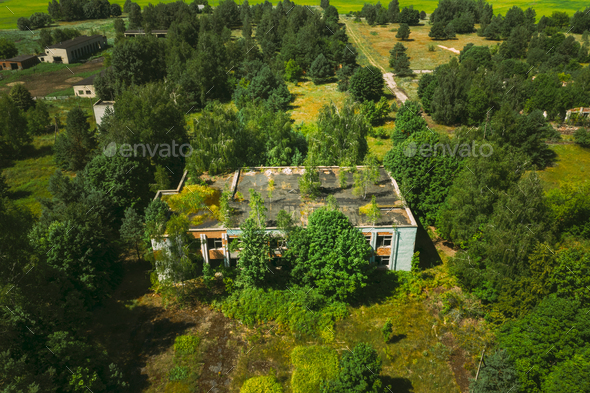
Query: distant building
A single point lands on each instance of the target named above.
(392, 237)
(69, 51)
(85, 88)
(100, 108)
(580, 113)
(135, 33)
(21, 62)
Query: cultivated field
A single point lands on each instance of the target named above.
(18, 8)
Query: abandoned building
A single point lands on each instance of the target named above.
(21, 62)
(392, 236)
(577, 113)
(136, 33)
(99, 108)
(77, 48)
(85, 88)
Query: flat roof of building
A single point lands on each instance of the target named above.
(286, 196)
(90, 80)
(144, 32)
(75, 41)
(21, 58)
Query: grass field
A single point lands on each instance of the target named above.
(573, 165)
(310, 98)
(14, 9)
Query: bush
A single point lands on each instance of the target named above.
(387, 329)
(178, 373)
(287, 308)
(186, 344)
(582, 137)
(375, 113)
(313, 365)
(265, 384)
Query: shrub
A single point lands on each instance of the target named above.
(431, 48)
(265, 384)
(186, 344)
(287, 308)
(178, 373)
(313, 365)
(387, 329)
(582, 137)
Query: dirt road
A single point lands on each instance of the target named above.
(387, 76)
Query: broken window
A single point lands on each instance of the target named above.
(213, 243)
(384, 241)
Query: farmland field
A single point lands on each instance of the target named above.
(14, 9)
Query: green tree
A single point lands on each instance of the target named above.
(309, 182)
(423, 176)
(401, 65)
(359, 372)
(13, 127)
(367, 84)
(570, 375)
(255, 254)
(135, 17)
(372, 211)
(330, 254)
(403, 32)
(437, 31)
(120, 26)
(38, 118)
(132, 230)
(393, 11)
(292, 71)
(366, 176)
(115, 10)
(321, 71)
(409, 15)
(340, 136)
(125, 180)
(73, 148)
(387, 329)
(257, 208)
(497, 375)
(7, 49)
(408, 121)
(22, 97)
(553, 333)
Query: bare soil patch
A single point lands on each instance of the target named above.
(45, 83)
(14, 83)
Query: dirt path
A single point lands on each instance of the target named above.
(451, 49)
(387, 76)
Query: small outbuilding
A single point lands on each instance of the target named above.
(21, 62)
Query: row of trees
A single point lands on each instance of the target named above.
(482, 82)
(377, 14)
(82, 9)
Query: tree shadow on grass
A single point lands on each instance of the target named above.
(396, 338)
(397, 384)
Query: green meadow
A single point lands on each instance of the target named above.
(11, 10)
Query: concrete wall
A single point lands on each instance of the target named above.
(99, 109)
(403, 249)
